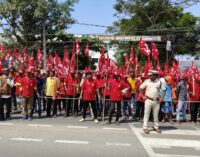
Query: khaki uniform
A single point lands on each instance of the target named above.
(153, 94)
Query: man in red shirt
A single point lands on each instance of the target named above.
(17, 83)
(194, 91)
(61, 94)
(116, 86)
(71, 93)
(88, 93)
(28, 87)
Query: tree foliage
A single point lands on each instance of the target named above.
(22, 20)
(157, 17)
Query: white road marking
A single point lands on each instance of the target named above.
(197, 148)
(148, 142)
(172, 142)
(40, 125)
(159, 146)
(118, 129)
(7, 124)
(71, 142)
(76, 127)
(173, 132)
(0, 138)
(26, 139)
(118, 144)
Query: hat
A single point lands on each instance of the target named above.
(184, 76)
(152, 72)
(168, 79)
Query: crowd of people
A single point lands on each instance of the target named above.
(101, 95)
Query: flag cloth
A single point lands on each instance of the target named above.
(39, 55)
(66, 61)
(7, 55)
(87, 50)
(154, 51)
(143, 47)
(132, 56)
(101, 60)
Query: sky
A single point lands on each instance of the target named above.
(100, 12)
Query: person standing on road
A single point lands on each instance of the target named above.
(28, 88)
(88, 94)
(152, 99)
(116, 86)
(6, 83)
(52, 85)
(181, 92)
(194, 93)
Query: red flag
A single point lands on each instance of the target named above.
(87, 50)
(127, 61)
(137, 66)
(39, 55)
(15, 54)
(73, 65)
(78, 48)
(49, 62)
(143, 47)
(7, 55)
(113, 65)
(166, 68)
(101, 60)
(154, 51)
(31, 64)
(132, 55)
(1, 48)
(66, 60)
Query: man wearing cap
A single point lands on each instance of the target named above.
(181, 92)
(132, 81)
(52, 84)
(71, 93)
(194, 95)
(18, 83)
(88, 94)
(116, 86)
(152, 99)
(38, 93)
(28, 88)
(6, 83)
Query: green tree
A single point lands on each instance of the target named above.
(22, 20)
(156, 17)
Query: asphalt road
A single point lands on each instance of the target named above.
(51, 137)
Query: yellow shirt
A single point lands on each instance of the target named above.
(132, 82)
(51, 86)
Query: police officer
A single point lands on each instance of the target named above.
(152, 99)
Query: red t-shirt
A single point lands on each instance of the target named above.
(89, 88)
(19, 81)
(138, 96)
(62, 90)
(71, 86)
(194, 88)
(28, 86)
(127, 93)
(116, 88)
(106, 90)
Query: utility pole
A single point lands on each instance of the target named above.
(44, 46)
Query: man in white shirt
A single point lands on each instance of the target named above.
(5, 90)
(152, 99)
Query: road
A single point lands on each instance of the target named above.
(51, 137)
